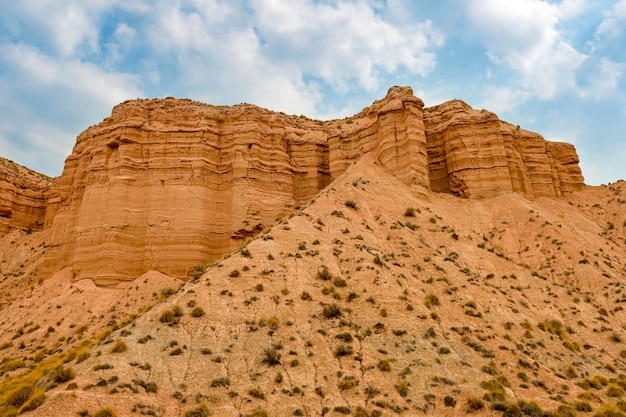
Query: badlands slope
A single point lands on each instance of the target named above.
(375, 295)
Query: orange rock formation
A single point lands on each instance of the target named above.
(23, 197)
(165, 184)
(474, 154)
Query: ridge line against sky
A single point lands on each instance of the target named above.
(553, 67)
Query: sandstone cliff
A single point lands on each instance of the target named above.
(23, 197)
(472, 153)
(166, 184)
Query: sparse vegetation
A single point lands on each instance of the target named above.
(257, 393)
(119, 346)
(197, 271)
(167, 316)
(377, 306)
(200, 411)
(351, 204)
(64, 374)
(474, 404)
(331, 311)
(197, 312)
(271, 356)
(431, 300)
(220, 382)
(343, 350)
(384, 365)
(324, 274)
(105, 412)
(402, 387)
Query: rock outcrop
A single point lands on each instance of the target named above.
(23, 197)
(474, 154)
(166, 184)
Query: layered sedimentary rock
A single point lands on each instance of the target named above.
(23, 197)
(474, 154)
(166, 184)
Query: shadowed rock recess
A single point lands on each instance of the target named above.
(164, 184)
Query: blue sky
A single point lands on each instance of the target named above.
(554, 67)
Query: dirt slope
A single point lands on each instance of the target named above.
(367, 301)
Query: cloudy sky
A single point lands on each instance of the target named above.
(554, 67)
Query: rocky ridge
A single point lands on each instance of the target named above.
(165, 184)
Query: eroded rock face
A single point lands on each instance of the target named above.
(166, 184)
(474, 154)
(23, 196)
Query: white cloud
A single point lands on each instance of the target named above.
(503, 99)
(283, 54)
(79, 77)
(69, 25)
(48, 101)
(613, 23)
(344, 42)
(604, 81)
(524, 36)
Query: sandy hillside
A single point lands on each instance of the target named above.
(369, 300)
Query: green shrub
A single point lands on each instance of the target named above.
(18, 397)
(564, 410)
(431, 300)
(63, 375)
(271, 356)
(197, 312)
(351, 204)
(347, 382)
(105, 412)
(340, 282)
(530, 408)
(35, 400)
(200, 411)
(343, 350)
(324, 274)
(197, 271)
(119, 346)
(167, 316)
(220, 382)
(449, 401)
(402, 386)
(474, 404)
(614, 391)
(167, 291)
(330, 311)
(384, 365)
(346, 337)
(583, 406)
(257, 393)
